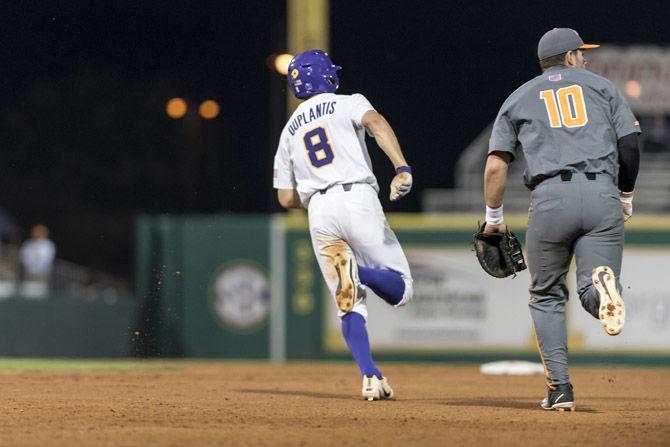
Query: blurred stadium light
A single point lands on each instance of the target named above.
(633, 89)
(209, 109)
(176, 108)
(280, 62)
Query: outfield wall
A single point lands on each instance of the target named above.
(68, 326)
(250, 287)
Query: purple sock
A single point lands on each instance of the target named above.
(356, 336)
(387, 284)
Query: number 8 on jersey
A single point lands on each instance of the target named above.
(318, 147)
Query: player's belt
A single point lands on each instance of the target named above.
(345, 186)
(567, 176)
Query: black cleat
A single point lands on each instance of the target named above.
(561, 399)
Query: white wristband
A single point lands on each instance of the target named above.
(626, 197)
(494, 216)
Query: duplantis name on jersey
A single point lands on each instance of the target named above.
(315, 112)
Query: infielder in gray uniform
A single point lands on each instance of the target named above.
(578, 135)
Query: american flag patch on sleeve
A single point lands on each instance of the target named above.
(555, 77)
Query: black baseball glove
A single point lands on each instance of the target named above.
(499, 254)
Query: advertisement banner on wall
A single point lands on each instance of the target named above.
(457, 307)
(647, 328)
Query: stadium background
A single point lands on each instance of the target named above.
(171, 243)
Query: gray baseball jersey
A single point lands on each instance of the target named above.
(566, 119)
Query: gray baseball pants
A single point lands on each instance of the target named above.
(581, 217)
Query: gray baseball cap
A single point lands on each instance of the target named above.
(560, 40)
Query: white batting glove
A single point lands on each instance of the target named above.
(401, 183)
(627, 203)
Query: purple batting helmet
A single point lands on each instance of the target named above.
(312, 72)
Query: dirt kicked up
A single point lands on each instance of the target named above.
(226, 403)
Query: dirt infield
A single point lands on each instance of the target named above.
(198, 404)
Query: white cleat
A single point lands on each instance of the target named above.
(565, 406)
(376, 389)
(612, 311)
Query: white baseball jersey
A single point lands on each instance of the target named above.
(323, 144)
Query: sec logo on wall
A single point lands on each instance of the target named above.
(240, 296)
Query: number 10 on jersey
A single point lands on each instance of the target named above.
(565, 106)
(318, 147)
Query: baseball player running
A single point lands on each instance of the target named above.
(577, 133)
(322, 165)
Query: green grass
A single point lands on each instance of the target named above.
(68, 365)
(8, 365)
